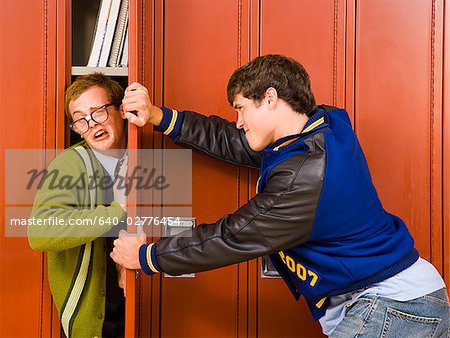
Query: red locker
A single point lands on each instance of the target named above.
(381, 60)
(446, 150)
(194, 73)
(397, 117)
(26, 113)
(311, 32)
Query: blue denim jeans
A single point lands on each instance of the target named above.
(373, 316)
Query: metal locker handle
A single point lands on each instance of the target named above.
(182, 224)
(268, 269)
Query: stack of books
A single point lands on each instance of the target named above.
(110, 43)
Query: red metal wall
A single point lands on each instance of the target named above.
(381, 60)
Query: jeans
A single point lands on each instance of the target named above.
(373, 316)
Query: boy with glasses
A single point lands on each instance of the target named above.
(84, 280)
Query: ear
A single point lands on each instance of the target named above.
(271, 97)
(122, 113)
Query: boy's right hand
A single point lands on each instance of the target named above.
(137, 107)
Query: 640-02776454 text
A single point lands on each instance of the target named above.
(58, 221)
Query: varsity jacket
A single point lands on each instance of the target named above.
(77, 254)
(316, 211)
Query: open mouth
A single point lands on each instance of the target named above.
(101, 134)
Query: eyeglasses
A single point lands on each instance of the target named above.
(99, 115)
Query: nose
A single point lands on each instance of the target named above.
(89, 120)
(240, 121)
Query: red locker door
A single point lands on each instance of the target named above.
(312, 32)
(27, 100)
(446, 150)
(398, 119)
(200, 53)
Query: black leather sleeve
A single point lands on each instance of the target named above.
(218, 138)
(278, 218)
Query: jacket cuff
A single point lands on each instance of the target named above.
(171, 123)
(147, 259)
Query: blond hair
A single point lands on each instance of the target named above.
(113, 89)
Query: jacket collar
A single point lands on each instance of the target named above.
(318, 119)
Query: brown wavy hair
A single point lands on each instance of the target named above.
(287, 76)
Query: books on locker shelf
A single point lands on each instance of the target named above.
(109, 43)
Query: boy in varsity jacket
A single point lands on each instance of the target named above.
(316, 211)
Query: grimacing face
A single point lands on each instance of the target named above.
(107, 135)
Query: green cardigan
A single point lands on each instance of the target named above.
(64, 250)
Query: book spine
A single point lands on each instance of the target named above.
(100, 30)
(109, 34)
(119, 34)
(124, 57)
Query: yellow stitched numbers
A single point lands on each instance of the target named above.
(303, 273)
